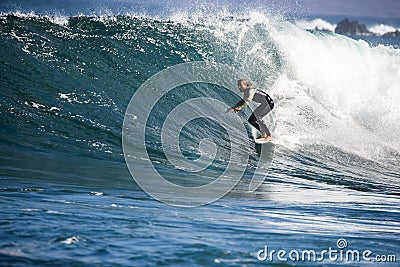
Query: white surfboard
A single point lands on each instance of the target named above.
(254, 133)
(261, 142)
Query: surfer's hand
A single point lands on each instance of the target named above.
(232, 109)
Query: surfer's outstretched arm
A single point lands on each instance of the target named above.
(247, 98)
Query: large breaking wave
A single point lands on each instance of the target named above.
(66, 82)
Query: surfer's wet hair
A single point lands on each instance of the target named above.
(246, 82)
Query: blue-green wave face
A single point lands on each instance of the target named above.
(67, 81)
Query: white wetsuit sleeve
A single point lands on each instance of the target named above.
(247, 98)
(249, 94)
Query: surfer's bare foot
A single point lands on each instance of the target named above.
(264, 138)
(268, 138)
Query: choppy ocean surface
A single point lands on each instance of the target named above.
(68, 199)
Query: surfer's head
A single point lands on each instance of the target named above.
(243, 85)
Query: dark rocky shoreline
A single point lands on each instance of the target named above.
(347, 27)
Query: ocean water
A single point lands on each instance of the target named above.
(67, 197)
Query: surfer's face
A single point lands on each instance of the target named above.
(242, 86)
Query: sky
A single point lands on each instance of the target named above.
(361, 8)
(353, 8)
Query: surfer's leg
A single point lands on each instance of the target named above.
(253, 121)
(260, 112)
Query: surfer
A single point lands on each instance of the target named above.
(267, 104)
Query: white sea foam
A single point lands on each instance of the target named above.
(71, 240)
(28, 209)
(381, 29)
(54, 212)
(318, 24)
(344, 91)
(59, 20)
(99, 194)
(329, 89)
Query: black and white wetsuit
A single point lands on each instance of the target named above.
(267, 104)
